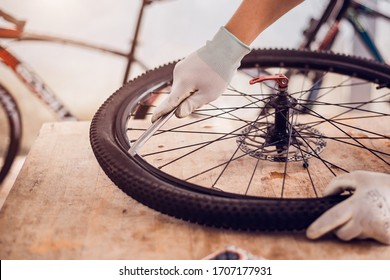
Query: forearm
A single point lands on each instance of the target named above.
(254, 16)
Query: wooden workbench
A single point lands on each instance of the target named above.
(62, 206)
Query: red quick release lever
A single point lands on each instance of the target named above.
(280, 79)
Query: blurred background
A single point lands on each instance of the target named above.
(170, 30)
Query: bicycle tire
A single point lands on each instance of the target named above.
(185, 201)
(10, 132)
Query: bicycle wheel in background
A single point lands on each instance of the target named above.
(10, 130)
(227, 165)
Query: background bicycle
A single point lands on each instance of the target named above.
(365, 18)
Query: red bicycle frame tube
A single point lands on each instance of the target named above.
(35, 84)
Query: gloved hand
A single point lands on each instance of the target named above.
(366, 214)
(204, 75)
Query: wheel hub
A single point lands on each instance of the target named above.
(280, 140)
(259, 141)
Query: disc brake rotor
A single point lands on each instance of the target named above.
(304, 142)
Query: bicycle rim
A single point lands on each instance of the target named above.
(220, 167)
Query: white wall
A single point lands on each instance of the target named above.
(171, 29)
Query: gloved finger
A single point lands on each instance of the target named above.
(177, 95)
(349, 231)
(193, 102)
(382, 236)
(340, 184)
(333, 218)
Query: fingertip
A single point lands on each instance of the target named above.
(314, 231)
(181, 115)
(154, 118)
(311, 234)
(157, 114)
(330, 220)
(184, 109)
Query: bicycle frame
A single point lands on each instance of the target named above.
(353, 17)
(32, 80)
(339, 10)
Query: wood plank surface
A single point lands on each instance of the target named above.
(62, 206)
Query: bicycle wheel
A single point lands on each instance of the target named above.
(10, 129)
(223, 167)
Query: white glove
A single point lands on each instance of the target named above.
(204, 75)
(366, 214)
